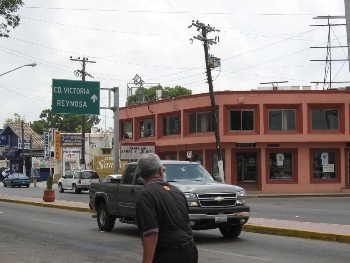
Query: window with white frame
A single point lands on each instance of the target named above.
(201, 122)
(241, 120)
(171, 125)
(282, 120)
(324, 119)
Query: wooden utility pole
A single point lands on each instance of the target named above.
(82, 73)
(211, 62)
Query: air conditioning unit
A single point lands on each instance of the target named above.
(140, 98)
(162, 94)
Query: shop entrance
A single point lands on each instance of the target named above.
(246, 167)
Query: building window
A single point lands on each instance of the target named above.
(201, 122)
(323, 165)
(127, 130)
(147, 128)
(241, 120)
(172, 125)
(282, 120)
(281, 165)
(324, 119)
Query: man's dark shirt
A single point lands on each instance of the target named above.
(162, 208)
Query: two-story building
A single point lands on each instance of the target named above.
(272, 140)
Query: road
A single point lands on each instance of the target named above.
(36, 234)
(331, 210)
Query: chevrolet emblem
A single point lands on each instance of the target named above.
(219, 199)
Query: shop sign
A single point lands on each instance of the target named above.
(135, 152)
(3, 140)
(328, 168)
(47, 150)
(26, 144)
(57, 146)
(246, 144)
(104, 165)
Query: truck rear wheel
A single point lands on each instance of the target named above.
(231, 231)
(104, 220)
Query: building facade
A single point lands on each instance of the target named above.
(271, 140)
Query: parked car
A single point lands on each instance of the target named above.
(77, 180)
(111, 177)
(16, 179)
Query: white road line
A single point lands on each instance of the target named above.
(235, 254)
(51, 222)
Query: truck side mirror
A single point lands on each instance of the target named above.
(218, 178)
(140, 181)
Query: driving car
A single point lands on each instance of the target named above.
(16, 179)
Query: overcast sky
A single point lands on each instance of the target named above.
(260, 41)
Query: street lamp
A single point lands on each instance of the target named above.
(28, 65)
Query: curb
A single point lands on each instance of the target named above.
(297, 233)
(50, 205)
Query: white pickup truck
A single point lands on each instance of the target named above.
(77, 180)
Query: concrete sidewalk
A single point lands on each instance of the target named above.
(320, 231)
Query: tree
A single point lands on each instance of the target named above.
(150, 93)
(7, 10)
(66, 122)
(17, 119)
(38, 126)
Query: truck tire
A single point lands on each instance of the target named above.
(104, 220)
(60, 188)
(231, 231)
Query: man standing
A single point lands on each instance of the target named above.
(162, 217)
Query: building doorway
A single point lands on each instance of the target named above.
(246, 167)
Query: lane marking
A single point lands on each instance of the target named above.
(235, 254)
(51, 222)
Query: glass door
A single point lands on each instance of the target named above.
(246, 167)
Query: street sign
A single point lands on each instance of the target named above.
(75, 97)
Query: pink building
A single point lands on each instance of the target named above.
(272, 141)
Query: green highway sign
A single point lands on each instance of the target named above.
(75, 97)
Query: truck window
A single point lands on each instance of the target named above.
(129, 174)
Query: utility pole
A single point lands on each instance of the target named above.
(23, 157)
(211, 62)
(82, 73)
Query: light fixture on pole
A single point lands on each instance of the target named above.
(27, 65)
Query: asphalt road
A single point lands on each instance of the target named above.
(37, 234)
(326, 209)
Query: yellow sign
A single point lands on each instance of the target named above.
(103, 165)
(57, 145)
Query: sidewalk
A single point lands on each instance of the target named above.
(309, 230)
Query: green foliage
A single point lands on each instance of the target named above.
(49, 182)
(7, 10)
(38, 126)
(67, 122)
(16, 119)
(150, 93)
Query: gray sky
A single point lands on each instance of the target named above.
(260, 41)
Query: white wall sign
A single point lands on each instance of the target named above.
(134, 152)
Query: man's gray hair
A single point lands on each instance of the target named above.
(148, 165)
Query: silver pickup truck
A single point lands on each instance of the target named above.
(212, 204)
